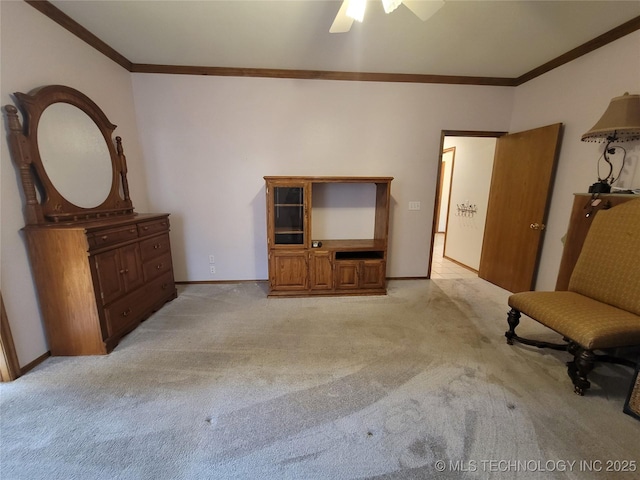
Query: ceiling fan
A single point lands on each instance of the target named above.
(351, 10)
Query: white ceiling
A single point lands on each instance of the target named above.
(464, 38)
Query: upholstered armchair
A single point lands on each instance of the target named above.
(601, 309)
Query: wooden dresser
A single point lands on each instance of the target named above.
(99, 267)
(98, 280)
(585, 208)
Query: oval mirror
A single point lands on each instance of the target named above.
(75, 155)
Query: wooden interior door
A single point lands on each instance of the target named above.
(521, 183)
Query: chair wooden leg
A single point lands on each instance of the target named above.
(583, 362)
(573, 348)
(513, 318)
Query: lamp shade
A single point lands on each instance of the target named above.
(620, 122)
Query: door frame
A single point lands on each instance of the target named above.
(441, 185)
(443, 134)
(9, 364)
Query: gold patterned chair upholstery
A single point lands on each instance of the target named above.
(601, 309)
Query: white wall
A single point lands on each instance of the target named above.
(470, 184)
(343, 211)
(209, 141)
(36, 52)
(577, 94)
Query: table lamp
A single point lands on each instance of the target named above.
(619, 123)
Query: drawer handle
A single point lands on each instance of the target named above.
(164, 224)
(132, 230)
(104, 237)
(159, 266)
(145, 228)
(123, 271)
(156, 246)
(126, 312)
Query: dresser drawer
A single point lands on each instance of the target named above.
(157, 266)
(160, 290)
(126, 312)
(129, 311)
(152, 227)
(112, 236)
(154, 247)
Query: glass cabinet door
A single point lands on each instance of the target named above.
(288, 215)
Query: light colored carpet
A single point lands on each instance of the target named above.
(224, 383)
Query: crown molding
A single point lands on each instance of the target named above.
(81, 32)
(600, 41)
(320, 75)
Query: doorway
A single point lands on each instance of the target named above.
(520, 186)
(464, 179)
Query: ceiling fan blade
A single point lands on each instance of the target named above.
(342, 22)
(424, 10)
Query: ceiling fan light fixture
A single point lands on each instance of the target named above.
(351, 10)
(391, 5)
(356, 9)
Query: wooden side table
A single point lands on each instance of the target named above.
(585, 207)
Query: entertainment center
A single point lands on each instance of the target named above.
(302, 265)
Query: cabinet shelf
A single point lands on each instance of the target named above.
(359, 255)
(353, 244)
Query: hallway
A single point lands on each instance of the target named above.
(444, 268)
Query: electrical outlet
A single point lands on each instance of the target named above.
(212, 269)
(212, 259)
(414, 205)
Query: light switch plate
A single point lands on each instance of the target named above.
(414, 205)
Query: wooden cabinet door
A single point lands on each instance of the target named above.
(131, 267)
(347, 274)
(373, 274)
(360, 274)
(320, 271)
(109, 278)
(287, 214)
(119, 271)
(288, 270)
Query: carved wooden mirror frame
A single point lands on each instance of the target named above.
(43, 202)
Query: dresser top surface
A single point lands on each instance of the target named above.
(100, 223)
(330, 179)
